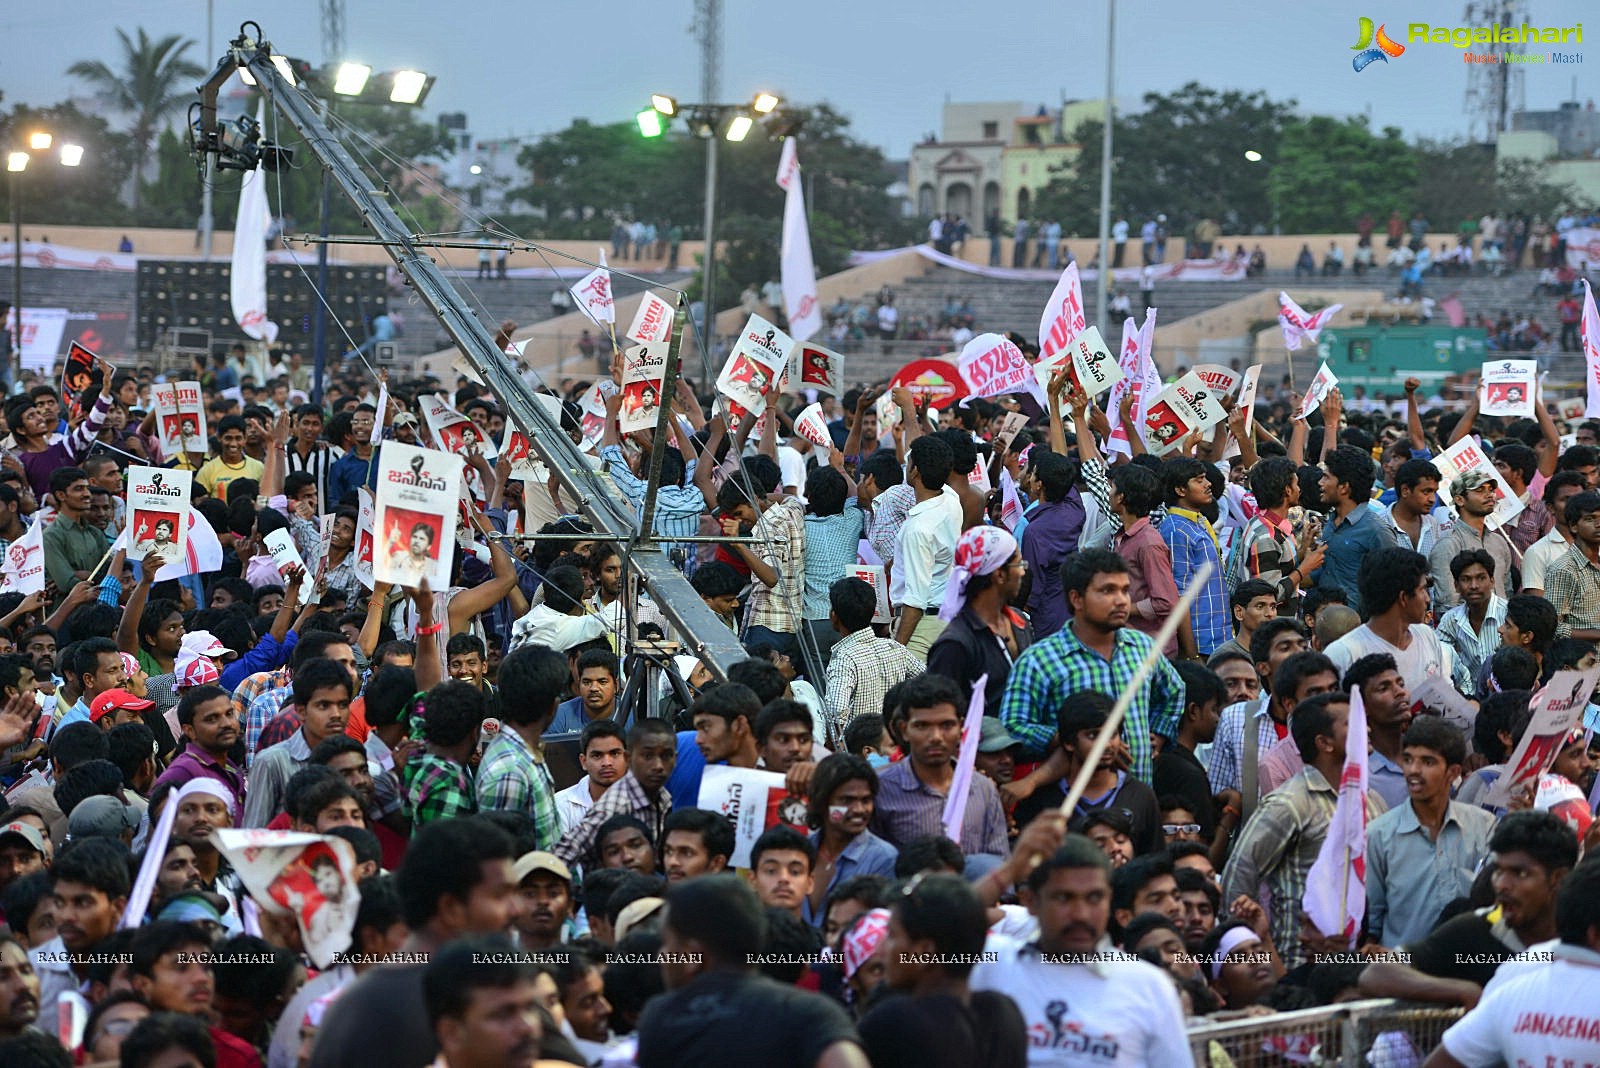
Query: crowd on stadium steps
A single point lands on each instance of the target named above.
(954, 807)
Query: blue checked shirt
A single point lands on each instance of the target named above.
(1050, 671)
(832, 542)
(678, 508)
(1192, 545)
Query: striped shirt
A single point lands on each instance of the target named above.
(1472, 648)
(889, 511)
(623, 796)
(317, 465)
(1227, 750)
(1059, 666)
(1265, 550)
(437, 789)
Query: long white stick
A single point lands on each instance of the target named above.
(1114, 721)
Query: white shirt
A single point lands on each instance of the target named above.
(1540, 555)
(793, 467)
(572, 803)
(1119, 231)
(888, 317)
(925, 551)
(1427, 657)
(1113, 1013)
(543, 625)
(1546, 1015)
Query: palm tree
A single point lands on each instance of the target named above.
(153, 80)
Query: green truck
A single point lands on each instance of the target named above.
(1381, 356)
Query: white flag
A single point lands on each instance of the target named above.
(247, 277)
(1139, 374)
(1010, 502)
(799, 273)
(593, 294)
(22, 570)
(1336, 885)
(1589, 330)
(955, 805)
(1063, 317)
(1298, 326)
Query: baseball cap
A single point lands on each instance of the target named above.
(101, 816)
(994, 738)
(116, 700)
(27, 832)
(539, 860)
(404, 419)
(204, 643)
(1467, 481)
(635, 913)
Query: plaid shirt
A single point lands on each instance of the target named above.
(1192, 543)
(863, 667)
(1572, 585)
(1060, 665)
(1278, 847)
(261, 709)
(512, 777)
(782, 530)
(1227, 749)
(286, 722)
(437, 789)
(831, 545)
(623, 796)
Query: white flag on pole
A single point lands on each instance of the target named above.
(799, 272)
(1589, 331)
(1139, 374)
(1063, 317)
(1297, 325)
(955, 805)
(247, 277)
(593, 293)
(1336, 886)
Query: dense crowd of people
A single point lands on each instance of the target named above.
(907, 896)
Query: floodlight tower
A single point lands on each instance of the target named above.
(1494, 90)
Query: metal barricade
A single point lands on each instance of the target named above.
(1376, 1033)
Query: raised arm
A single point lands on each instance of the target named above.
(852, 441)
(128, 625)
(1332, 413)
(481, 598)
(373, 624)
(1550, 443)
(1419, 439)
(1059, 386)
(286, 619)
(1133, 433)
(1464, 424)
(428, 660)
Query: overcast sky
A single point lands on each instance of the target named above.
(521, 68)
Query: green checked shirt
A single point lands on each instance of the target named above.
(438, 789)
(512, 777)
(1050, 671)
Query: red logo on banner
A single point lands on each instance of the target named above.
(937, 379)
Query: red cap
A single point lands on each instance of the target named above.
(112, 700)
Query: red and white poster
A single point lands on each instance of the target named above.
(992, 365)
(754, 365)
(366, 517)
(1218, 377)
(414, 521)
(872, 575)
(813, 426)
(1589, 332)
(180, 418)
(1247, 395)
(311, 877)
(653, 320)
(1010, 424)
(452, 431)
(22, 570)
(1508, 388)
(158, 513)
(644, 367)
(1556, 710)
(1181, 409)
(593, 294)
(1468, 455)
(286, 555)
(814, 367)
(753, 802)
(1317, 391)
